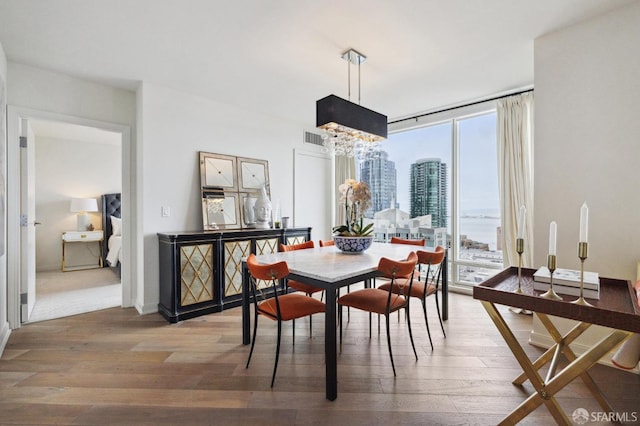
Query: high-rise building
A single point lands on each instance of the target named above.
(429, 191)
(380, 174)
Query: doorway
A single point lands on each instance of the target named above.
(71, 162)
(74, 158)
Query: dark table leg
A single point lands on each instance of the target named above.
(445, 287)
(330, 347)
(246, 318)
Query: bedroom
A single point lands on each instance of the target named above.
(72, 161)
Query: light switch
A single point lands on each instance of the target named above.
(166, 211)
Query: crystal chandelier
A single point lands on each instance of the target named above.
(350, 129)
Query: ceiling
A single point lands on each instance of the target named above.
(278, 57)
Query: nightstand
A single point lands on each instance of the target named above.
(82, 237)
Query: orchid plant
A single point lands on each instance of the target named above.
(357, 199)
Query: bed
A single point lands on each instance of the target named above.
(112, 226)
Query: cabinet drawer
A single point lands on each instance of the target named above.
(82, 236)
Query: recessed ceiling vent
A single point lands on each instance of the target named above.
(312, 138)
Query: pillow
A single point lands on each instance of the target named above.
(116, 226)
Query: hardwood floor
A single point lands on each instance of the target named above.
(116, 367)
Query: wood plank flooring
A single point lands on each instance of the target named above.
(117, 367)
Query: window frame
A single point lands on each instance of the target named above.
(453, 116)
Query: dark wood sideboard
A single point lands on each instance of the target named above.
(201, 272)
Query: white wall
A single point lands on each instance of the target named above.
(587, 147)
(173, 127)
(68, 169)
(587, 143)
(4, 324)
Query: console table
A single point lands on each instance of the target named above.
(617, 308)
(201, 272)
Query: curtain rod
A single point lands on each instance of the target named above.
(415, 117)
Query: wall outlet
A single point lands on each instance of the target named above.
(166, 211)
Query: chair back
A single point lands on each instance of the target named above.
(433, 260)
(326, 243)
(393, 269)
(396, 240)
(270, 272)
(292, 247)
(431, 257)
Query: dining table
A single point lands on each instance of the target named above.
(331, 269)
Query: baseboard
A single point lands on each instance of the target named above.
(146, 309)
(545, 341)
(4, 336)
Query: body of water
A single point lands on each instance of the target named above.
(481, 229)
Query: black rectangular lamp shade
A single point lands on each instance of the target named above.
(332, 112)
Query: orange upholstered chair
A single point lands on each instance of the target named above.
(383, 302)
(286, 307)
(326, 243)
(296, 285)
(422, 290)
(396, 240)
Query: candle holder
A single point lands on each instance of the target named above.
(583, 249)
(519, 250)
(551, 265)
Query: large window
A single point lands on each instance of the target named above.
(440, 181)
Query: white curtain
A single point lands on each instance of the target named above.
(515, 143)
(345, 168)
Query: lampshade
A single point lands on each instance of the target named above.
(334, 113)
(350, 129)
(84, 205)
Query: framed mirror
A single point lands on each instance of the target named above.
(229, 187)
(218, 171)
(220, 210)
(253, 175)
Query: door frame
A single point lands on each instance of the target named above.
(14, 116)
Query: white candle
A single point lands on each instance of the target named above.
(584, 223)
(553, 232)
(521, 216)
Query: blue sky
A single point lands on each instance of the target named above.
(478, 157)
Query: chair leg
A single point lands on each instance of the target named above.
(424, 309)
(413, 345)
(310, 326)
(439, 316)
(293, 331)
(348, 307)
(389, 344)
(340, 321)
(275, 366)
(253, 341)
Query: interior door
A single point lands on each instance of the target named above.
(313, 192)
(27, 221)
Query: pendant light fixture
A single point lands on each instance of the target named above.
(350, 129)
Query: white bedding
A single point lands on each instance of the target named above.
(114, 245)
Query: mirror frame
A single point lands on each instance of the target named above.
(243, 176)
(231, 199)
(207, 157)
(236, 190)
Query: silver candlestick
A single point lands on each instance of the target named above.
(519, 250)
(551, 265)
(583, 249)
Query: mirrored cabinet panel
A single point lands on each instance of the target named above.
(230, 187)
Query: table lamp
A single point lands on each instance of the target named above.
(82, 206)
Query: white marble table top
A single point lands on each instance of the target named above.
(331, 265)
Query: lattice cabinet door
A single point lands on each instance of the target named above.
(296, 239)
(266, 246)
(234, 252)
(196, 273)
